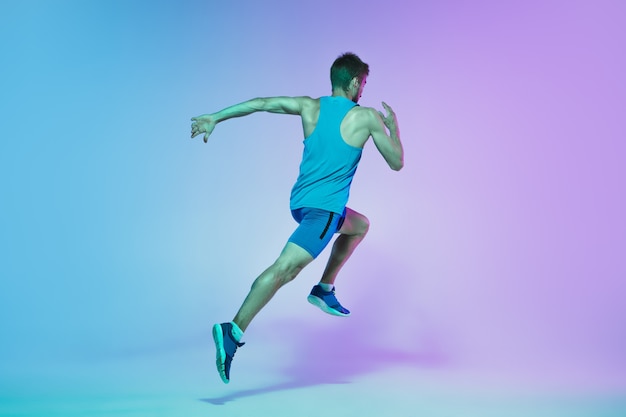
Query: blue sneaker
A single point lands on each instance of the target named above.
(226, 346)
(327, 301)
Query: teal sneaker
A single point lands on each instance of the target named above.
(225, 346)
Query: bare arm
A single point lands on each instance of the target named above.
(388, 145)
(283, 105)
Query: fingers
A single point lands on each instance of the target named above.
(202, 124)
(196, 128)
(383, 115)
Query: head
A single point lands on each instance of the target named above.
(348, 75)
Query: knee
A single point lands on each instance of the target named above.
(285, 272)
(364, 225)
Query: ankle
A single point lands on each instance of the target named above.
(237, 333)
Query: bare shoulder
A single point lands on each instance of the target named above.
(358, 125)
(309, 99)
(308, 106)
(363, 117)
(310, 113)
(308, 103)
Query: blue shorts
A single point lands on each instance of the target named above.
(316, 229)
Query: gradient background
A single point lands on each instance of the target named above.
(492, 281)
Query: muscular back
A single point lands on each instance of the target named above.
(355, 128)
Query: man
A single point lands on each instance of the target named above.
(335, 131)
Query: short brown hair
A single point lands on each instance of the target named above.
(345, 68)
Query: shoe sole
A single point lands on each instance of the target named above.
(220, 353)
(318, 302)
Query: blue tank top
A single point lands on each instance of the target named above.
(328, 163)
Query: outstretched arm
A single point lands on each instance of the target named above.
(389, 146)
(283, 105)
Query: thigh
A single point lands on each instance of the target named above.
(315, 231)
(294, 256)
(354, 224)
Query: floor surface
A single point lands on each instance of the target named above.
(267, 380)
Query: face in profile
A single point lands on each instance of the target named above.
(359, 89)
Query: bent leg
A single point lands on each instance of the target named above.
(290, 262)
(352, 232)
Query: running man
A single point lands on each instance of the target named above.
(335, 131)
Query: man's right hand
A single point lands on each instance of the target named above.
(203, 124)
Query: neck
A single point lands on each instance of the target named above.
(338, 92)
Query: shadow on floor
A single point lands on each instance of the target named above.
(336, 368)
(337, 353)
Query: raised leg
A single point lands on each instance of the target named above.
(352, 232)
